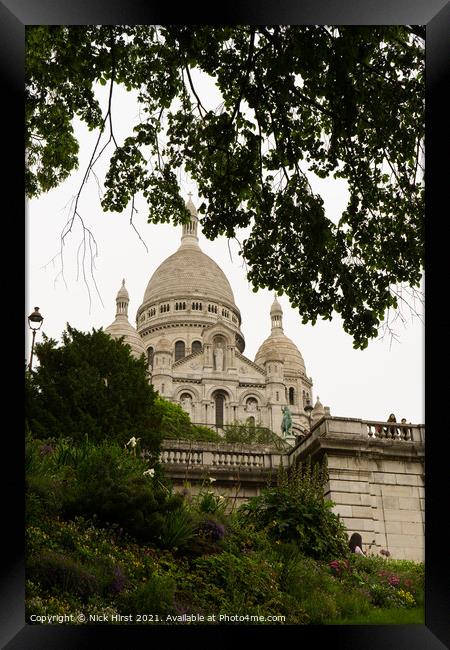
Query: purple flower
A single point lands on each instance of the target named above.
(46, 449)
(212, 529)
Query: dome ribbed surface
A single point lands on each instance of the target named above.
(281, 346)
(122, 327)
(189, 272)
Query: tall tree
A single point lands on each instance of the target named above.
(91, 385)
(346, 102)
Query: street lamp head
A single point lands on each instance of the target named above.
(35, 319)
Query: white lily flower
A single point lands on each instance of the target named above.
(212, 480)
(132, 441)
(149, 472)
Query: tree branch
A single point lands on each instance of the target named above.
(246, 74)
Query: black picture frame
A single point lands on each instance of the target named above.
(435, 14)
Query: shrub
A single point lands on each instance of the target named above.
(315, 590)
(177, 530)
(387, 583)
(207, 502)
(229, 583)
(199, 432)
(295, 510)
(209, 534)
(91, 384)
(155, 597)
(248, 434)
(58, 571)
(110, 484)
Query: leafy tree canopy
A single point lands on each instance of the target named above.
(340, 101)
(91, 385)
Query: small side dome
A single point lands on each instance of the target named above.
(279, 346)
(273, 354)
(276, 308)
(122, 326)
(123, 293)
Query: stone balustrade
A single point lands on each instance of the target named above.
(185, 456)
(219, 455)
(222, 456)
(243, 459)
(370, 429)
(395, 431)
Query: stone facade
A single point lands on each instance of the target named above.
(375, 481)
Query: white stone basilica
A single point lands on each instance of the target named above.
(189, 328)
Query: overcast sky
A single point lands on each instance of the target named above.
(386, 377)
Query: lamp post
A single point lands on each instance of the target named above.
(35, 321)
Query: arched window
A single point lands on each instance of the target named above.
(180, 350)
(150, 353)
(196, 346)
(291, 395)
(219, 399)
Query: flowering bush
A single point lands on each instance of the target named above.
(405, 598)
(389, 586)
(212, 530)
(339, 567)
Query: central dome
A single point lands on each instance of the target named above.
(189, 272)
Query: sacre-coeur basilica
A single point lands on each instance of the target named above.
(189, 328)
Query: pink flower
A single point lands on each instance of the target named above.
(394, 581)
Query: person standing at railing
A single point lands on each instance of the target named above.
(405, 431)
(392, 430)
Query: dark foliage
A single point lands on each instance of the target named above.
(91, 386)
(337, 101)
